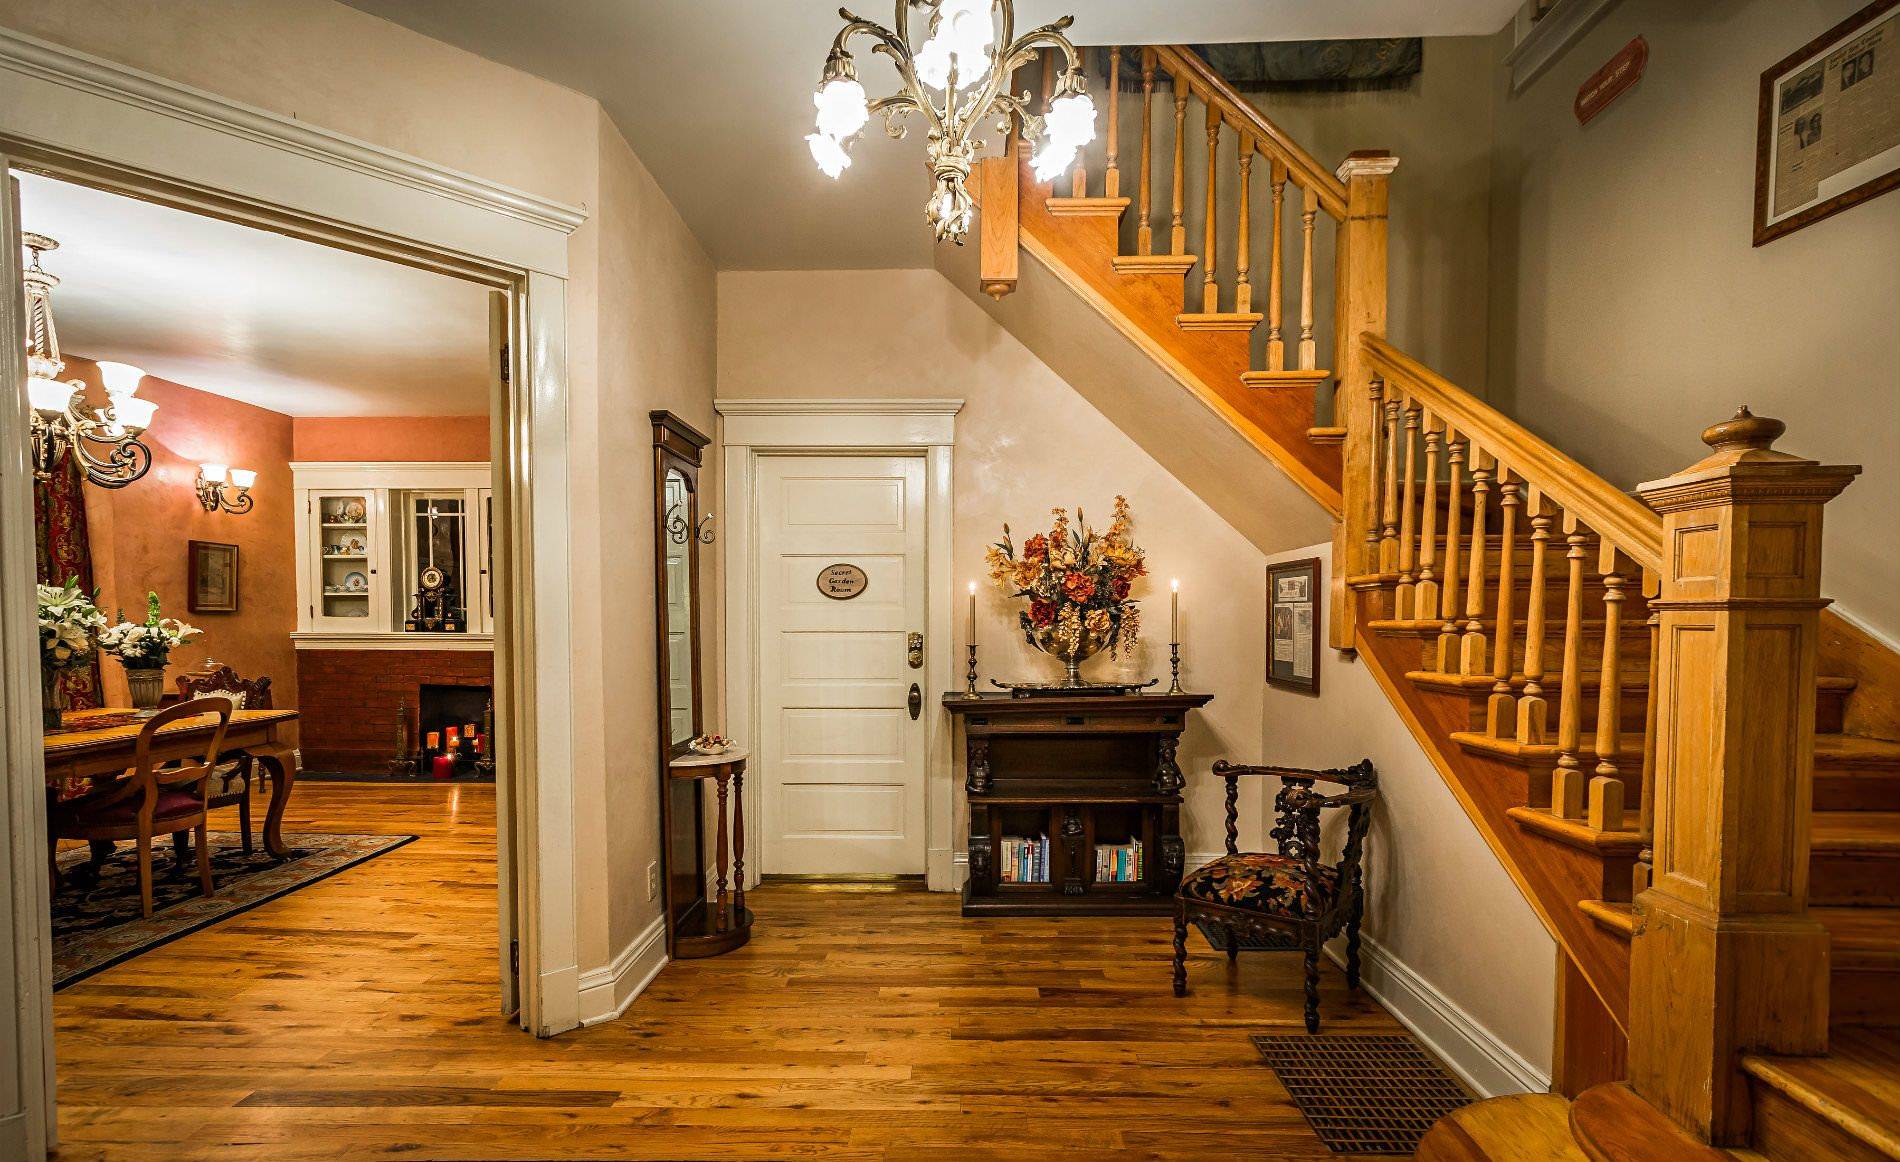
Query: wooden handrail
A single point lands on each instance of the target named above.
(1183, 62)
(1613, 514)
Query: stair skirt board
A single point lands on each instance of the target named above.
(1482, 1061)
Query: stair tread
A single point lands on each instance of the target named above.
(1862, 752)
(1611, 915)
(1835, 748)
(1522, 1125)
(1217, 321)
(1611, 1121)
(1086, 207)
(1155, 263)
(1855, 1088)
(1856, 831)
(1858, 937)
(1576, 833)
(1288, 376)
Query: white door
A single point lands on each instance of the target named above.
(840, 754)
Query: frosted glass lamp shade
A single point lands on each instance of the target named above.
(243, 478)
(133, 414)
(121, 378)
(48, 396)
(212, 473)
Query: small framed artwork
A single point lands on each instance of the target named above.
(1293, 630)
(1827, 133)
(212, 577)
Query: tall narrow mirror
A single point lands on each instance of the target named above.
(682, 698)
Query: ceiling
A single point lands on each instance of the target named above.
(288, 325)
(715, 96)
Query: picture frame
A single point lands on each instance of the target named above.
(1827, 134)
(211, 580)
(1295, 601)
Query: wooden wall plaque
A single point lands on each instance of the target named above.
(842, 582)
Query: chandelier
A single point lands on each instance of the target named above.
(956, 80)
(105, 442)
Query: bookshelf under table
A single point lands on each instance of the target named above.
(1085, 771)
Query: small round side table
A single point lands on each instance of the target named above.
(727, 923)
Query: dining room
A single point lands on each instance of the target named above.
(264, 522)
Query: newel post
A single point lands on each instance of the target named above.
(1726, 960)
(1359, 270)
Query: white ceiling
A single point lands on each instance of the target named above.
(288, 325)
(715, 96)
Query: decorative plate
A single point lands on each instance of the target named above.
(356, 545)
(354, 512)
(354, 582)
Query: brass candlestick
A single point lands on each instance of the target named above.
(970, 689)
(1174, 664)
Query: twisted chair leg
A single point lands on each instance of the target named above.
(1352, 947)
(1312, 987)
(1180, 952)
(1233, 946)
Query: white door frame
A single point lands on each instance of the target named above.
(73, 114)
(750, 428)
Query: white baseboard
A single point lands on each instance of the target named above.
(1489, 1066)
(606, 992)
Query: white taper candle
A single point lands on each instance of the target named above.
(1174, 622)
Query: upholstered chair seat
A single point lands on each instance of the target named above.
(1263, 882)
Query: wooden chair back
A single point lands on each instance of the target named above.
(147, 778)
(216, 678)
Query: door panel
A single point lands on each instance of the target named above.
(841, 758)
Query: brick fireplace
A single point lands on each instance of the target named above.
(349, 700)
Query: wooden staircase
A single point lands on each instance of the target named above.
(1525, 619)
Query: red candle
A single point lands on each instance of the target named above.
(444, 767)
(453, 733)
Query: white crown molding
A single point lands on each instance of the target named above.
(835, 407)
(319, 639)
(1540, 44)
(33, 57)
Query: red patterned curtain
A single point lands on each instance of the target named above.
(65, 550)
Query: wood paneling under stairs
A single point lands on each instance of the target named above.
(356, 1019)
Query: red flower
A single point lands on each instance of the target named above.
(1078, 586)
(1119, 587)
(1042, 612)
(1036, 548)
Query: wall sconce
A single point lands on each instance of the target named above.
(225, 488)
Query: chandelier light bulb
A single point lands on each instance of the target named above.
(842, 108)
(828, 153)
(1069, 125)
(963, 39)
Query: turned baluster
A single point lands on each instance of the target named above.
(720, 898)
(738, 843)
(1408, 517)
(1309, 350)
(1276, 344)
(1145, 223)
(1079, 176)
(1646, 790)
(1471, 645)
(1243, 288)
(1389, 510)
(1210, 293)
(1532, 712)
(1425, 595)
(1177, 234)
(1448, 600)
(1375, 460)
(1610, 680)
(1114, 173)
(1567, 782)
(1501, 708)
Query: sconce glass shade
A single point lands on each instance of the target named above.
(121, 379)
(48, 396)
(212, 473)
(243, 478)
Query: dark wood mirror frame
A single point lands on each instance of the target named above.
(677, 447)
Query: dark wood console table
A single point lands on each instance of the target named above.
(1083, 771)
(721, 922)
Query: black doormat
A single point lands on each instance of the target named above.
(1267, 941)
(1364, 1093)
(97, 921)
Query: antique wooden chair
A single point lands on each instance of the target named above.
(150, 799)
(231, 782)
(1291, 893)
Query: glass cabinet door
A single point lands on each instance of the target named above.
(348, 592)
(438, 589)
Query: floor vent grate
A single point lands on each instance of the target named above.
(1363, 1093)
(1265, 942)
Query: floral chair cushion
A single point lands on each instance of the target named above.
(228, 777)
(1261, 882)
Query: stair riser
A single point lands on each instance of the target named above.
(1865, 996)
(1848, 790)
(1633, 654)
(1879, 792)
(1853, 879)
(1786, 1132)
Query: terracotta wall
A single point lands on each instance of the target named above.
(394, 439)
(351, 699)
(139, 532)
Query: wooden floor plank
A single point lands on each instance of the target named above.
(356, 1019)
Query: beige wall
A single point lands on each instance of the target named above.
(639, 297)
(1629, 308)
(1437, 900)
(1025, 442)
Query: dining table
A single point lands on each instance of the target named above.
(100, 744)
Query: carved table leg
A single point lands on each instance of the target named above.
(738, 842)
(722, 779)
(278, 760)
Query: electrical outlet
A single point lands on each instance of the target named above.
(653, 880)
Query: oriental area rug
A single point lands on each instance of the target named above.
(97, 922)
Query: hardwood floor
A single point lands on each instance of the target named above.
(356, 1018)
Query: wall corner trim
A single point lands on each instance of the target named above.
(606, 992)
(1483, 1062)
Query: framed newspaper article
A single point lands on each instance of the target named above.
(1293, 631)
(1828, 131)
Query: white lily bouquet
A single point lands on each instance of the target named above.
(148, 644)
(69, 627)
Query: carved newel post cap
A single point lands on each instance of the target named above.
(1744, 431)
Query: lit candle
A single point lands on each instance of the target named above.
(1174, 621)
(971, 636)
(435, 740)
(443, 767)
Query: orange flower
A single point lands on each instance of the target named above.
(1078, 586)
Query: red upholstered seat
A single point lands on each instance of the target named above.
(172, 804)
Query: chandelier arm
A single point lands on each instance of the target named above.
(1021, 51)
(128, 461)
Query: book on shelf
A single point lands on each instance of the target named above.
(1118, 863)
(1024, 859)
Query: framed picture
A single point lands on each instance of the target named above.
(1827, 134)
(1293, 629)
(212, 577)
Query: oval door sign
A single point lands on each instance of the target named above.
(842, 582)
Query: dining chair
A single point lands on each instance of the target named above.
(231, 782)
(149, 799)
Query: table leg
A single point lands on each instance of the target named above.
(738, 843)
(720, 896)
(282, 765)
